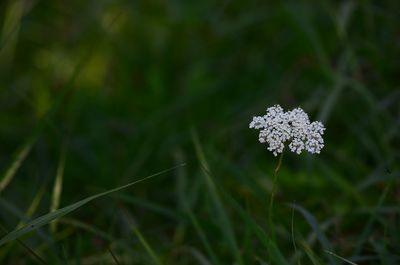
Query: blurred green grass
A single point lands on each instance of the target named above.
(120, 87)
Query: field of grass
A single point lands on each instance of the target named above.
(124, 132)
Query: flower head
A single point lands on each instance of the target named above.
(278, 127)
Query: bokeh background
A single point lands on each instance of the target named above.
(100, 93)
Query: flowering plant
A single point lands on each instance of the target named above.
(278, 127)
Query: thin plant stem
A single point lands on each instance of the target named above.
(271, 200)
(113, 256)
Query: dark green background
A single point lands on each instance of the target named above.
(124, 89)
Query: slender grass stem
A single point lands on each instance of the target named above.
(113, 256)
(271, 200)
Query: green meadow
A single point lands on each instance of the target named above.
(125, 139)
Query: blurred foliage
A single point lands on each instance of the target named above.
(122, 86)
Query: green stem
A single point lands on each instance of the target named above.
(271, 201)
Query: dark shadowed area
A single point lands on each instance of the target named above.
(98, 94)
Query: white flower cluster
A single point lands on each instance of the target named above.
(278, 127)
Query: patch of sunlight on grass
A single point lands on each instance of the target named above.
(93, 71)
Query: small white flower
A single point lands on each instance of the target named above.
(277, 127)
(257, 123)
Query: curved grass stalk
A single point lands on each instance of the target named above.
(271, 200)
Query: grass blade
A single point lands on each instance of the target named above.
(202, 236)
(273, 250)
(147, 247)
(47, 218)
(113, 256)
(131, 223)
(341, 258)
(28, 249)
(225, 224)
(316, 227)
(369, 225)
(33, 206)
(201, 259)
(185, 204)
(15, 165)
(57, 189)
(29, 212)
(311, 255)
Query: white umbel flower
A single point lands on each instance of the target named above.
(278, 127)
